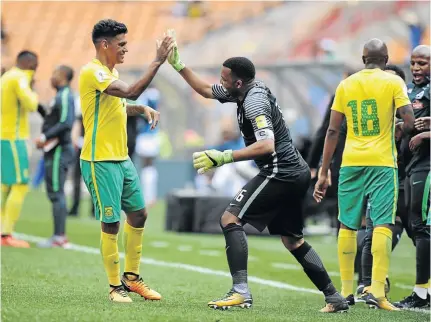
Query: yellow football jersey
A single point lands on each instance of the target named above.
(369, 100)
(104, 116)
(17, 100)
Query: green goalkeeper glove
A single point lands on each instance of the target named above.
(203, 161)
(174, 56)
(175, 61)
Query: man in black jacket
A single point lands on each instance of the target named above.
(317, 149)
(55, 141)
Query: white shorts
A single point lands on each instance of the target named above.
(148, 145)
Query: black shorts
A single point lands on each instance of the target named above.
(417, 192)
(268, 202)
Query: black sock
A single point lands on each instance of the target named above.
(237, 256)
(313, 267)
(397, 231)
(422, 259)
(360, 244)
(367, 260)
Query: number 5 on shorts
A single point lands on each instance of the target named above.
(240, 195)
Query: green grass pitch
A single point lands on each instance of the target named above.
(187, 269)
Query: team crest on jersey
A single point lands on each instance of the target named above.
(109, 212)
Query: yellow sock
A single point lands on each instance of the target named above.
(132, 240)
(12, 206)
(346, 259)
(111, 257)
(381, 250)
(426, 285)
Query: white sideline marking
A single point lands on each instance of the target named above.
(404, 286)
(185, 248)
(212, 253)
(187, 267)
(159, 244)
(296, 267)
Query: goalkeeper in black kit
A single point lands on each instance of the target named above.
(274, 198)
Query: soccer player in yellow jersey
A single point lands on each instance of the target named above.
(369, 101)
(17, 100)
(107, 170)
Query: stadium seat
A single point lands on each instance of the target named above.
(60, 31)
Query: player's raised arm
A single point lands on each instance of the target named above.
(119, 88)
(199, 85)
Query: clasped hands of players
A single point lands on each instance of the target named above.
(205, 160)
(421, 124)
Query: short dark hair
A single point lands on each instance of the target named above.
(26, 54)
(68, 71)
(397, 71)
(241, 67)
(107, 28)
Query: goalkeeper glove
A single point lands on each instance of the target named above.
(175, 61)
(203, 161)
(174, 56)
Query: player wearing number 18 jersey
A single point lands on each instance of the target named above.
(369, 101)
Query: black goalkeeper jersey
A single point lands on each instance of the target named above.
(419, 159)
(260, 117)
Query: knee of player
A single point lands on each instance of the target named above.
(54, 196)
(138, 218)
(368, 236)
(111, 228)
(19, 189)
(291, 243)
(420, 230)
(228, 218)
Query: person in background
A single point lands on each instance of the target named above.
(77, 136)
(17, 100)
(148, 146)
(55, 141)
